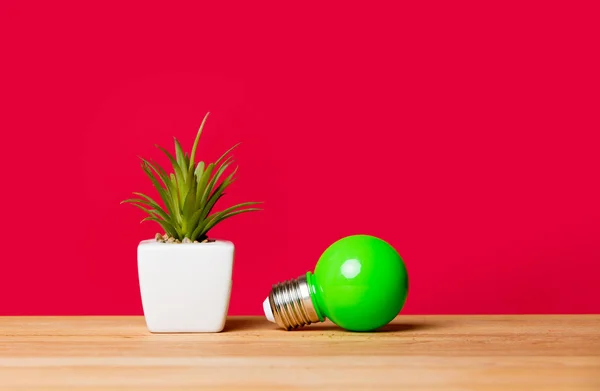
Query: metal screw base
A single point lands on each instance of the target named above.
(291, 304)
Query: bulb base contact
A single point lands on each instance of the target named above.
(290, 304)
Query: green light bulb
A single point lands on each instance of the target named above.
(360, 283)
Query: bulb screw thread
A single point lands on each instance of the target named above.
(292, 305)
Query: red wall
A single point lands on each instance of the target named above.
(467, 135)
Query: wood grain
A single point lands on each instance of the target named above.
(412, 353)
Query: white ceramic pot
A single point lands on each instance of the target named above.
(185, 287)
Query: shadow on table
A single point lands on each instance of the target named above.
(399, 327)
(253, 323)
(245, 324)
(390, 328)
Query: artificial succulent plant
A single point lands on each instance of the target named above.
(189, 194)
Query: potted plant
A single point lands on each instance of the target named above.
(185, 276)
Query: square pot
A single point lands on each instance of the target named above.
(185, 287)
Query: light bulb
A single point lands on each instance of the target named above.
(360, 283)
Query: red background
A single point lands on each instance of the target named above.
(465, 134)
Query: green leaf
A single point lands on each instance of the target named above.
(193, 224)
(176, 168)
(182, 164)
(217, 194)
(207, 191)
(181, 159)
(149, 202)
(178, 184)
(193, 154)
(197, 232)
(176, 203)
(153, 167)
(238, 206)
(226, 152)
(206, 209)
(201, 186)
(189, 183)
(212, 220)
(154, 216)
(188, 209)
(153, 203)
(231, 178)
(165, 180)
(218, 218)
(166, 226)
(171, 187)
(130, 201)
(215, 178)
(199, 170)
(198, 176)
(164, 195)
(161, 172)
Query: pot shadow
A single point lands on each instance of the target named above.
(245, 324)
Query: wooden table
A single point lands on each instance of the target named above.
(413, 352)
